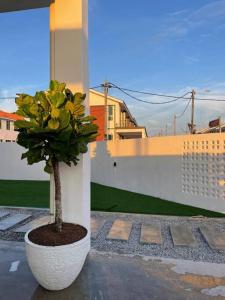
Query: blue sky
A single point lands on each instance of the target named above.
(161, 46)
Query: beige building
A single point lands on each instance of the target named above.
(120, 123)
(7, 132)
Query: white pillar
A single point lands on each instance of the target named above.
(69, 38)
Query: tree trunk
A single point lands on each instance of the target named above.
(58, 203)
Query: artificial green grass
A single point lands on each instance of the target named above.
(115, 200)
(103, 198)
(24, 193)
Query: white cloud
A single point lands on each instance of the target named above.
(192, 59)
(208, 13)
(177, 13)
(180, 23)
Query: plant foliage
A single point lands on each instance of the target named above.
(55, 127)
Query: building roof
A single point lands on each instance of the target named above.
(13, 5)
(212, 129)
(10, 116)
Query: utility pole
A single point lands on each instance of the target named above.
(192, 111)
(106, 87)
(174, 124)
(166, 129)
(161, 132)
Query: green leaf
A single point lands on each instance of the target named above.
(57, 99)
(53, 124)
(78, 111)
(79, 97)
(24, 99)
(57, 86)
(20, 112)
(65, 134)
(41, 99)
(48, 167)
(69, 95)
(34, 109)
(88, 129)
(64, 118)
(88, 119)
(55, 112)
(24, 124)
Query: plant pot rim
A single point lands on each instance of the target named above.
(28, 241)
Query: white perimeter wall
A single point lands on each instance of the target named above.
(185, 169)
(13, 168)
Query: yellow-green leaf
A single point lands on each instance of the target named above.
(53, 124)
(55, 112)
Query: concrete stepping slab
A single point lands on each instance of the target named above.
(3, 214)
(120, 230)
(151, 234)
(182, 236)
(33, 224)
(214, 237)
(96, 225)
(13, 220)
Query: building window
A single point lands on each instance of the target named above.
(110, 112)
(108, 137)
(8, 125)
(8, 141)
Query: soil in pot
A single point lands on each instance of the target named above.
(47, 236)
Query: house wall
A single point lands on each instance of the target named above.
(187, 169)
(5, 134)
(97, 102)
(99, 113)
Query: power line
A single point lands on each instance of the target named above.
(13, 97)
(186, 107)
(124, 90)
(170, 96)
(95, 87)
(149, 102)
(153, 94)
(210, 99)
(7, 98)
(179, 116)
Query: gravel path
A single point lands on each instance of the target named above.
(202, 252)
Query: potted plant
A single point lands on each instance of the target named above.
(55, 129)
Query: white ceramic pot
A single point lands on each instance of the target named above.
(55, 268)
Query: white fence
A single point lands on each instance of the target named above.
(185, 169)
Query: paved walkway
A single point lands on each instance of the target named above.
(132, 255)
(200, 239)
(110, 276)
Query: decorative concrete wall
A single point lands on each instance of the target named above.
(184, 169)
